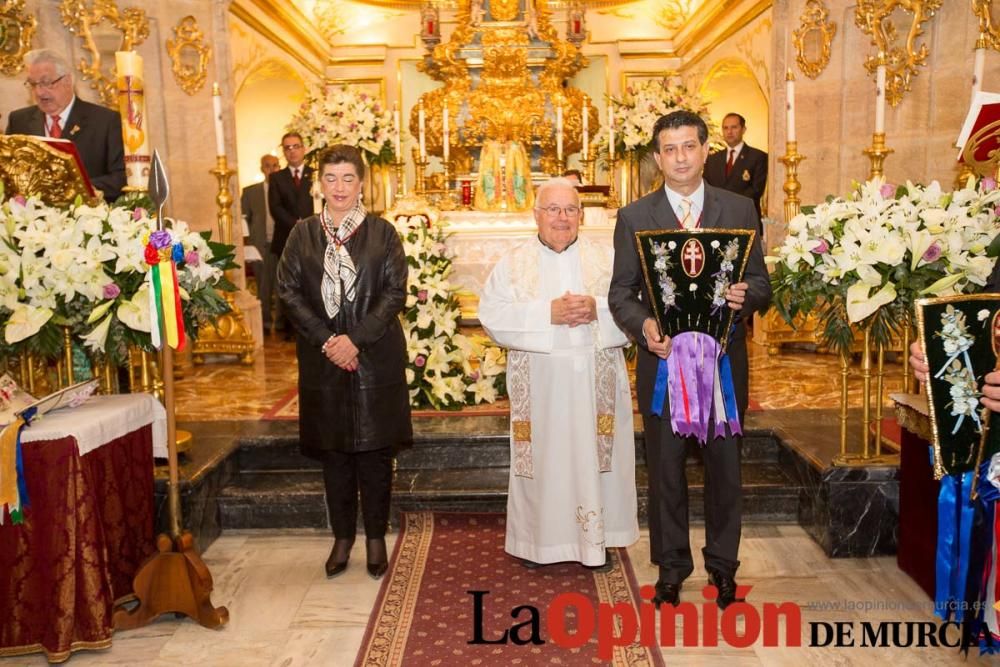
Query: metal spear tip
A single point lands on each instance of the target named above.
(157, 187)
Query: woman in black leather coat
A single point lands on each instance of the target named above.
(342, 279)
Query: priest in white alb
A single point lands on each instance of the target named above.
(572, 472)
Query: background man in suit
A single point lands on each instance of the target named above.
(680, 144)
(289, 197)
(95, 130)
(740, 168)
(253, 204)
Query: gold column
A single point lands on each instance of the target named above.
(877, 153)
(228, 334)
(845, 368)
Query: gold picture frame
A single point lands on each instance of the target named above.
(97, 24)
(814, 38)
(189, 55)
(18, 28)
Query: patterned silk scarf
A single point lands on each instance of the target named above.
(339, 274)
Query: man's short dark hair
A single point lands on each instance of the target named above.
(676, 120)
(733, 114)
(574, 172)
(289, 135)
(343, 153)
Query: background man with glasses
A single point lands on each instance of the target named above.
(572, 474)
(58, 113)
(289, 197)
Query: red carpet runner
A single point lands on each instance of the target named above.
(424, 615)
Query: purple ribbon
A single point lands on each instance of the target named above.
(692, 367)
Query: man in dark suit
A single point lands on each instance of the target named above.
(680, 144)
(58, 113)
(740, 168)
(289, 197)
(260, 225)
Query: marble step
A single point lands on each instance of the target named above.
(433, 451)
(294, 499)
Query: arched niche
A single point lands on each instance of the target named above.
(266, 100)
(731, 86)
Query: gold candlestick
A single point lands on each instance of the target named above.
(877, 153)
(228, 334)
(612, 193)
(791, 187)
(397, 168)
(589, 162)
(421, 167)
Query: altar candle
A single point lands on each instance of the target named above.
(790, 108)
(977, 71)
(397, 130)
(611, 132)
(585, 121)
(220, 135)
(559, 133)
(880, 100)
(444, 133)
(420, 131)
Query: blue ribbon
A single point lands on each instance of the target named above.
(660, 388)
(728, 391)
(22, 484)
(955, 516)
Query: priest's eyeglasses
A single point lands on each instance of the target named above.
(553, 211)
(43, 85)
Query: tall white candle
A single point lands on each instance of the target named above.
(559, 133)
(397, 131)
(977, 71)
(611, 132)
(790, 105)
(444, 133)
(585, 122)
(421, 138)
(880, 99)
(220, 135)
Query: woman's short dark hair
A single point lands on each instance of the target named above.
(341, 153)
(676, 120)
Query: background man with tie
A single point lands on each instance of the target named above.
(253, 204)
(58, 113)
(289, 197)
(740, 168)
(680, 147)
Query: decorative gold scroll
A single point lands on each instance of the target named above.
(29, 167)
(87, 21)
(814, 38)
(989, 26)
(900, 55)
(16, 31)
(189, 55)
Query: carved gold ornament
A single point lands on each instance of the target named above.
(128, 28)
(29, 167)
(16, 30)
(900, 55)
(189, 55)
(813, 39)
(989, 25)
(982, 151)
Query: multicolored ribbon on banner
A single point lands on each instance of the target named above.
(955, 516)
(162, 256)
(13, 487)
(700, 382)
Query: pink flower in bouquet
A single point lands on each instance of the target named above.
(422, 296)
(989, 184)
(822, 248)
(111, 291)
(932, 253)
(420, 361)
(21, 201)
(191, 258)
(888, 191)
(137, 213)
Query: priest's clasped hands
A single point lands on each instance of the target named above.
(341, 351)
(574, 309)
(659, 344)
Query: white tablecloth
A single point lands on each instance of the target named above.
(101, 420)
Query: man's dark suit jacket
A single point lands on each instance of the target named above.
(288, 204)
(748, 176)
(97, 133)
(252, 206)
(722, 210)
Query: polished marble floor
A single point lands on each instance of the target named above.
(218, 390)
(283, 612)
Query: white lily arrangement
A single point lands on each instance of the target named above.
(340, 114)
(440, 372)
(864, 259)
(83, 267)
(639, 107)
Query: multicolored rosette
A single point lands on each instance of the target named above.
(13, 487)
(162, 255)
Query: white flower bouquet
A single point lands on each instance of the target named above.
(440, 373)
(338, 114)
(864, 259)
(84, 267)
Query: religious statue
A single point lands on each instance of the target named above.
(531, 19)
(576, 24)
(430, 25)
(504, 180)
(476, 12)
